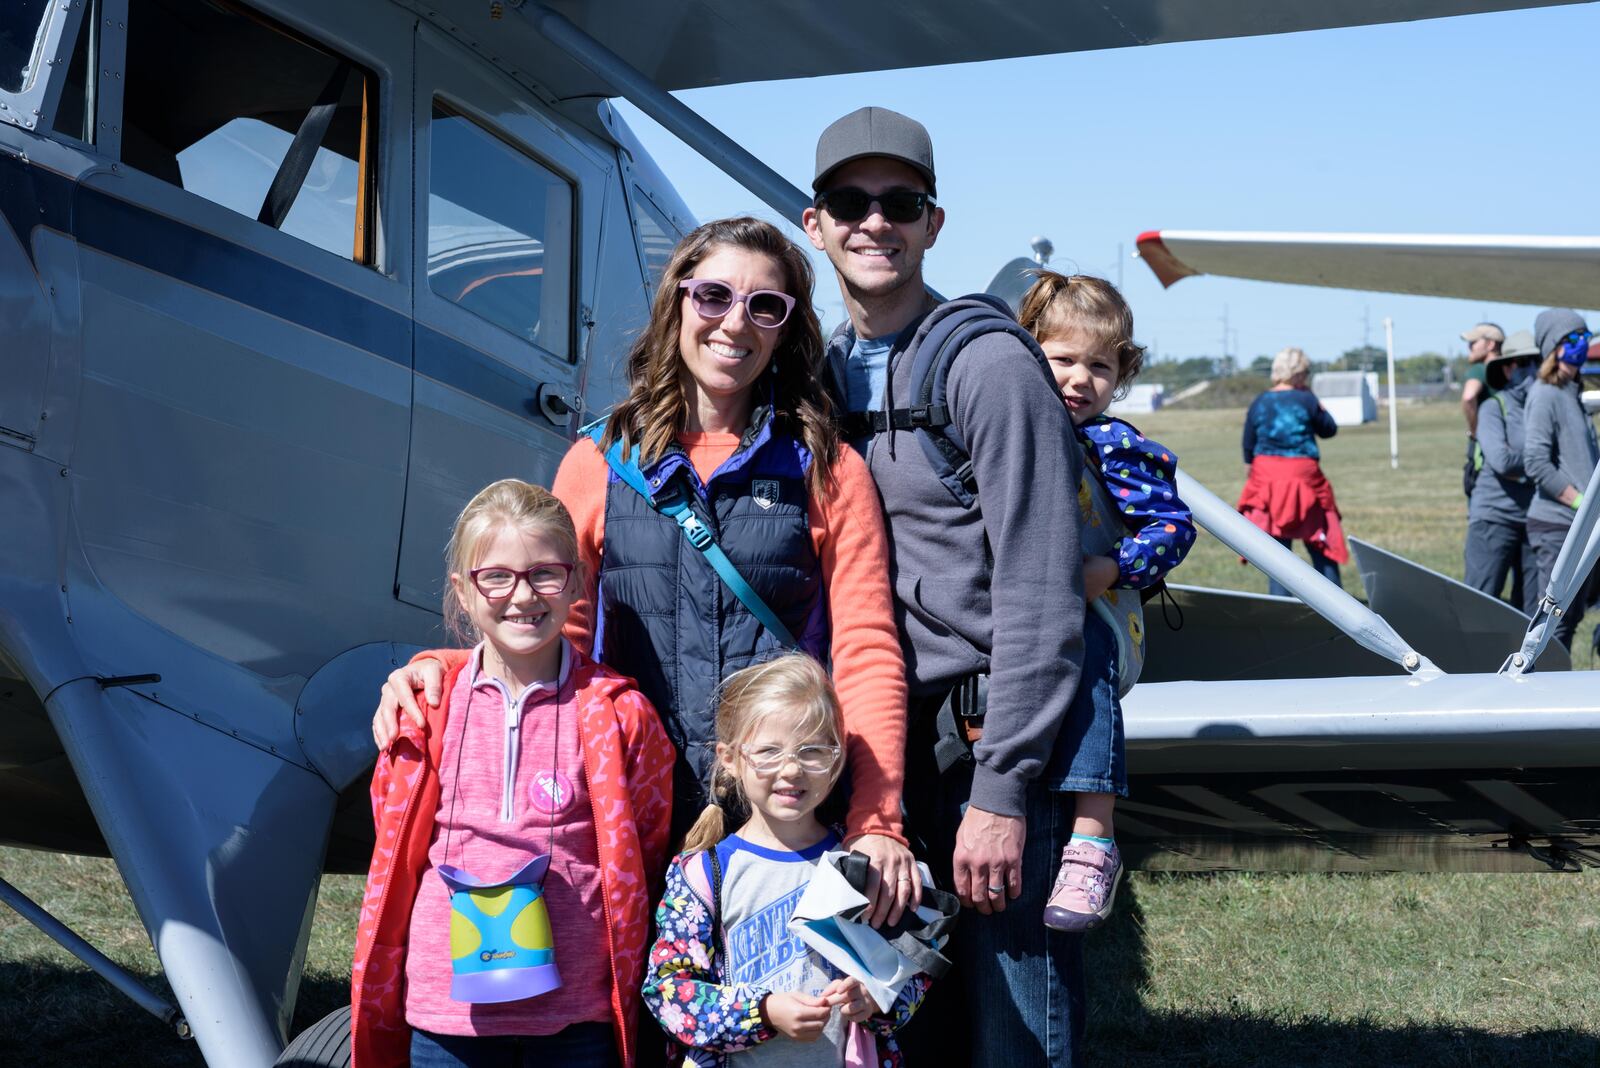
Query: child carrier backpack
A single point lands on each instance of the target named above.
(954, 325)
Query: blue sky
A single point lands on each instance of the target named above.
(1483, 124)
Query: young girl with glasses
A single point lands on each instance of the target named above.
(1135, 531)
(726, 418)
(728, 980)
(535, 752)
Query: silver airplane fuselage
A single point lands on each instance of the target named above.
(282, 285)
(230, 455)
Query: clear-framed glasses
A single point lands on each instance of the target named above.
(713, 298)
(497, 583)
(815, 759)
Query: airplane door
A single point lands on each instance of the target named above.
(508, 211)
(238, 473)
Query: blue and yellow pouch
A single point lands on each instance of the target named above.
(501, 945)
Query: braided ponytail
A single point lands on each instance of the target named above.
(711, 826)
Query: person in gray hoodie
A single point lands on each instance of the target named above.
(1497, 512)
(1560, 450)
(988, 595)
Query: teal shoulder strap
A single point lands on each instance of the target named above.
(675, 506)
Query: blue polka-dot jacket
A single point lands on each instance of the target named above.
(1141, 476)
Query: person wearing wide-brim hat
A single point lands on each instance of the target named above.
(1560, 450)
(1497, 509)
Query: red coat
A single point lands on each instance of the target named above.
(1290, 497)
(627, 760)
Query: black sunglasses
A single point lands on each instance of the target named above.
(849, 204)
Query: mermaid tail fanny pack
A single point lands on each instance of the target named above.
(501, 946)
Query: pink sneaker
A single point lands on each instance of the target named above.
(1086, 888)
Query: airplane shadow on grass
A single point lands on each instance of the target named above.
(1124, 1033)
(55, 1015)
(64, 1016)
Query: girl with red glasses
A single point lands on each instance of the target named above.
(519, 827)
(726, 424)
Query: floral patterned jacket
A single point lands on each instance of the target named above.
(627, 761)
(707, 1019)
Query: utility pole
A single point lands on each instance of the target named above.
(1394, 424)
(1224, 331)
(1366, 326)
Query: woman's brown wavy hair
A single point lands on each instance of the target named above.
(655, 409)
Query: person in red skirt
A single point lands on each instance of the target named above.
(1287, 495)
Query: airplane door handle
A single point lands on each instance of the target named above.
(554, 405)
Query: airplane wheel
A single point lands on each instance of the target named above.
(325, 1044)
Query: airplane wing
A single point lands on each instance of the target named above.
(1521, 270)
(1457, 627)
(723, 42)
(1459, 772)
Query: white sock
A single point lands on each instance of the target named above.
(1102, 844)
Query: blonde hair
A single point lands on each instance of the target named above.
(1056, 303)
(1290, 364)
(507, 503)
(1550, 369)
(793, 686)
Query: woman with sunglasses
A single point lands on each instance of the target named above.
(1560, 450)
(727, 415)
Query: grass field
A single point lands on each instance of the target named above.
(1246, 969)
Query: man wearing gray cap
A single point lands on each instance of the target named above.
(989, 598)
(1483, 343)
(1560, 450)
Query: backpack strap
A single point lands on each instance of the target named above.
(929, 415)
(716, 904)
(673, 502)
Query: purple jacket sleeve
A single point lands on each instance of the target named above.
(1026, 460)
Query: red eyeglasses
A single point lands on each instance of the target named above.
(498, 583)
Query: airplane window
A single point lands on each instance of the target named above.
(222, 123)
(20, 23)
(499, 233)
(657, 235)
(75, 114)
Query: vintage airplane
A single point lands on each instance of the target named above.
(283, 282)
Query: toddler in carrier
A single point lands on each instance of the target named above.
(1135, 531)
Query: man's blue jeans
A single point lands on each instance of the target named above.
(1015, 998)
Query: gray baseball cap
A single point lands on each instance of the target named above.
(874, 132)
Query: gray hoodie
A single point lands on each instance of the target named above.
(1560, 448)
(1502, 491)
(996, 587)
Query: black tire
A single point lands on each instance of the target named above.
(325, 1044)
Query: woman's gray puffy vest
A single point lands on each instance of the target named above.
(668, 620)
(1122, 610)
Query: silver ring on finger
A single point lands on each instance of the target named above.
(996, 891)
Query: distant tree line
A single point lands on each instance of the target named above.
(1424, 367)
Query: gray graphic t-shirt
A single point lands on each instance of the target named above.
(760, 888)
